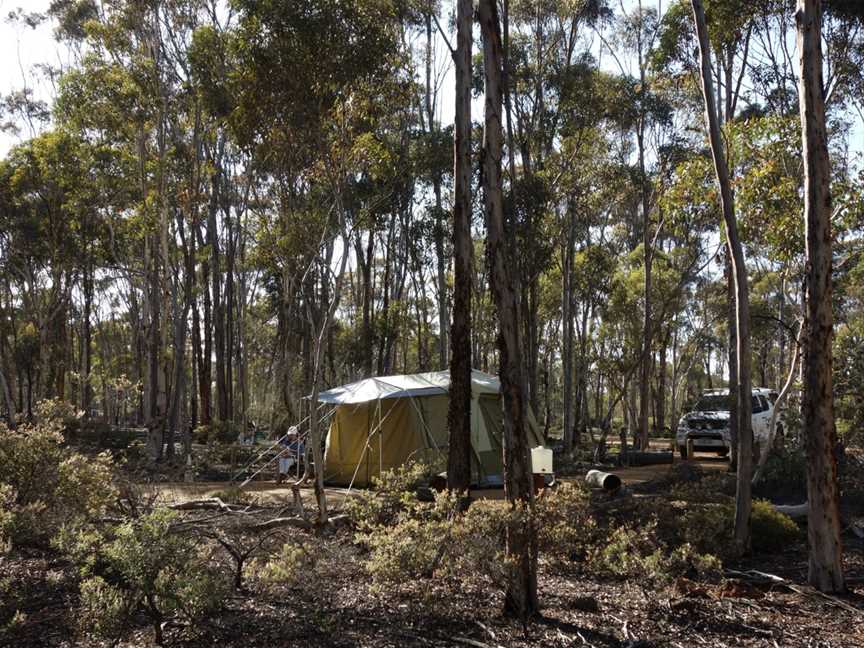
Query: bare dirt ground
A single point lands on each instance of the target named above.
(267, 491)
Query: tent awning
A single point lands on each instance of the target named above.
(412, 385)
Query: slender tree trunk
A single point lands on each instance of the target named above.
(823, 521)
(521, 546)
(218, 307)
(86, 340)
(567, 326)
(459, 414)
(742, 297)
(9, 405)
(647, 323)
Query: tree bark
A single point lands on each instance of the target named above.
(567, 308)
(216, 279)
(742, 299)
(459, 414)
(521, 543)
(823, 522)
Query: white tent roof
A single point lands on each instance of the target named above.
(422, 384)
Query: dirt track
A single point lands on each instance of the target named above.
(268, 492)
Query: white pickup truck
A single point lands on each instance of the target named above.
(708, 424)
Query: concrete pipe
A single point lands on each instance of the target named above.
(606, 481)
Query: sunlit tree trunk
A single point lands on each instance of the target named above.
(521, 546)
(739, 273)
(823, 521)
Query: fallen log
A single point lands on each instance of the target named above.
(648, 458)
(604, 480)
(794, 511)
(207, 504)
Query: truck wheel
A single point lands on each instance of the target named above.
(683, 451)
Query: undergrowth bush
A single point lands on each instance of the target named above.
(393, 493)
(144, 567)
(709, 528)
(716, 487)
(772, 531)
(785, 474)
(565, 525)
(44, 485)
(638, 552)
(287, 567)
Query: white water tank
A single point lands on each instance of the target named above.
(541, 460)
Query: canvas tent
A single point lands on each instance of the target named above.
(381, 423)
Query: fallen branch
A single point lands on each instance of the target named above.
(755, 576)
(470, 642)
(296, 522)
(207, 504)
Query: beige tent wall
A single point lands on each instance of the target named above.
(430, 419)
(412, 428)
(357, 442)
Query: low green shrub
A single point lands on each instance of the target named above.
(287, 567)
(709, 528)
(217, 432)
(785, 474)
(144, 567)
(476, 550)
(638, 552)
(715, 487)
(771, 530)
(45, 485)
(394, 492)
(565, 525)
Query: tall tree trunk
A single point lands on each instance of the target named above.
(218, 308)
(647, 322)
(86, 340)
(459, 413)
(823, 522)
(521, 545)
(742, 297)
(568, 314)
(153, 415)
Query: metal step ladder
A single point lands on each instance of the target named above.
(269, 457)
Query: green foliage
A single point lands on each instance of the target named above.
(785, 473)
(217, 432)
(393, 493)
(410, 549)
(772, 531)
(638, 552)
(45, 485)
(565, 526)
(285, 568)
(715, 487)
(103, 610)
(146, 567)
(709, 527)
